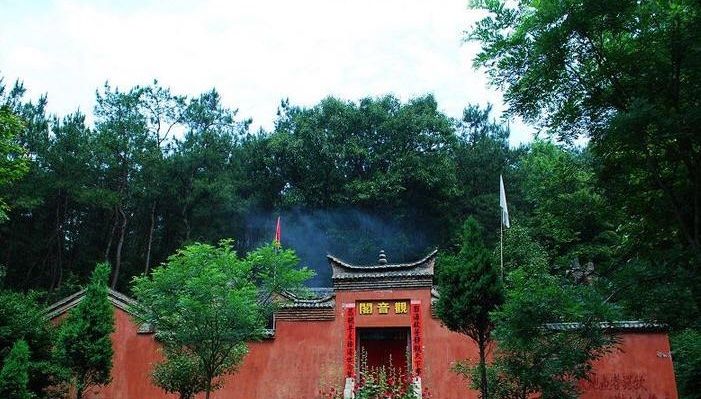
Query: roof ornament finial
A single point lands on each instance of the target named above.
(383, 258)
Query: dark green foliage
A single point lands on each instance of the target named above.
(626, 75)
(532, 354)
(84, 343)
(687, 362)
(482, 154)
(159, 170)
(22, 318)
(14, 375)
(377, 155)
(180, 373)
(470, 288)
(555, 183)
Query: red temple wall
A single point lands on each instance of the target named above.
(305, 355)
(134, 357)
(640, 368)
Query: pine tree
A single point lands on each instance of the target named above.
(14, 376)
(470, 288)
(84, 345)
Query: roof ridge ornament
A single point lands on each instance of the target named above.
(383, 258)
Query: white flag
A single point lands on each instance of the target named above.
(502, 203)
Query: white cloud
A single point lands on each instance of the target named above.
(254, 52)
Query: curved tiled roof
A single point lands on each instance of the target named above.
(322, 298)
(382, 267)
(383, 275)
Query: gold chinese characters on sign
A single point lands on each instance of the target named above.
(382, 308)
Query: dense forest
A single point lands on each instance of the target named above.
(158, 170)
(155, 170)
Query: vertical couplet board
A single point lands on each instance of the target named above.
(349, 340)
(417, 354)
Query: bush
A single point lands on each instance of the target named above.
(378, 383)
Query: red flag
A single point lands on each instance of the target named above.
(278, 232)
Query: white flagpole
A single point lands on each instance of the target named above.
(504, 221)
(501, 243)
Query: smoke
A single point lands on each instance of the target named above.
(352, 235)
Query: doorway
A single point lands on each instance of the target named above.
(384, 347)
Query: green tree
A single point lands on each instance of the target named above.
(376, 154)
(376, 157)
(687, 359)
(204, 172)
(481, 154)
(180, 373)
(13, 163)
(84, 344)
(624, 74)
(204, 304)
(23, 318)
(14, 375)
(122, 142)
(548, 330)
(275, 269)
(470, 288)
(556, 180)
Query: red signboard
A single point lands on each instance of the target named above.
(417, 352)
(349, 341)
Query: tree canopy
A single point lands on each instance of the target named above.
(205, 304)
(13, 164)
(470, 287)
(624, 76)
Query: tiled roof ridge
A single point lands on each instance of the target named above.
(379, 267)
(63, 305)
(125, 303)
(618, 325)
(321, 301)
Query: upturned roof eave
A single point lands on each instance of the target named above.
(343, 271)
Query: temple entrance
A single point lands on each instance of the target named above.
(386, 347)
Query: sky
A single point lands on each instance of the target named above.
(255, 53)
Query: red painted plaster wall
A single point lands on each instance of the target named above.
(306, 355)
(134, 356)
(641, 368)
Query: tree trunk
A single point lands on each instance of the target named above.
(120, 244)
(186, 222)
(109, 241)
(79, 388)
(61, 235)
(482, 343)
(150, 238)
(55, 264)
(208, 389)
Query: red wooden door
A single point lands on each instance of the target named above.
(386, 347)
